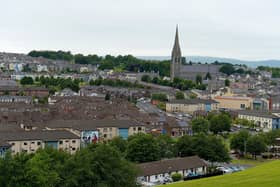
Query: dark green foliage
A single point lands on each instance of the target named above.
(107, 96)
(55, 55)
(200, 125)
(96, 165)
(59, 83)
(27, 81)
(210, 148)
(256, 145)
(239, 140)
(115, 83)
(227, 69)
(180, 95)
(143, 148)
(227, 83)
(176, 177)
(198, 79)
(166, 144)
(220, 123)
(159, 97)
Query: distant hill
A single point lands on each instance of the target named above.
(204, 59)
(263, 175)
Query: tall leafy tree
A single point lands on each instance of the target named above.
(143, 148)
(200, 125)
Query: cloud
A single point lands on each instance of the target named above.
(245, 29)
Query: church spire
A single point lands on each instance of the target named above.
(176, 52)
(176, 57)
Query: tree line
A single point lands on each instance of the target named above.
(53, 84)
(96, 165)
(178, 83)
(123, 63)
(115, 83)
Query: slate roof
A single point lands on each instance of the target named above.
(47, 135)
(170, 165)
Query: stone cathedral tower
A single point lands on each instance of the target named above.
(176, 58)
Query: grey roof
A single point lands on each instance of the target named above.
(170, 165)
(193, 101)
(46, 135)
(90, 124)
(200, 68)
(4, 144)
(258, 113)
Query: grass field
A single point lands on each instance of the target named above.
(263, 175)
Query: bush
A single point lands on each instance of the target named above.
(176, 177)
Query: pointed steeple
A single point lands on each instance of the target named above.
(176, 52)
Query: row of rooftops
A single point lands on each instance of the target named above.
(259, 113)
(44, 135)
(193, 101)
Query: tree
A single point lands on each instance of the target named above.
(198, 79)
(26, 81)
(143, 148)
(239, 140)
(166, 144)
(107, 96)
(99, 165)
(180, 95)
(200, 125)
(227, 83)
(159, 97)
(219, 123)
(120, 144)
(184, 146)
(146, 78)
(256, 145)
(208, 76)
(227, 69)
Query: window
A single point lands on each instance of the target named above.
(24, 143)
(134, 128)
(105, 135)
(38, 143)
(66, 141)
(242, 106)
(156, 176)
(32, 142)
(139, 128)
(73, 141)
(60, 142)
(110, 129)
(73, 149)
(13, 143)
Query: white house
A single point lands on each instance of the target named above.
(159, 170)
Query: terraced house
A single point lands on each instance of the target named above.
(191, 105)
(31, 141)
(262, 119)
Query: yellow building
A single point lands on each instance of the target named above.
(234, 103)
(191, 105)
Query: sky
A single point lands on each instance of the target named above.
(243, 29)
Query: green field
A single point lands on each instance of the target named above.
(264, 175)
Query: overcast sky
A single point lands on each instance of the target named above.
(244, 29)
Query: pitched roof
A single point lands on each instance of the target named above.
(90, 124)
(193, 101)
(170, 165)
(46, 135)
(4, 144)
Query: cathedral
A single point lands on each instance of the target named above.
(188, 71)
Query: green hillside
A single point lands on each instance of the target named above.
(264, 175)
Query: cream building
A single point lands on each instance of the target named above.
(191, 105)
(31, 141)
(234, 102)
(262, 119)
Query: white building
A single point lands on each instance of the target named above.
(157, 171)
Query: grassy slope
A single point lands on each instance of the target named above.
(264, 175)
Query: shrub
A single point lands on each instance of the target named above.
(176, 177)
